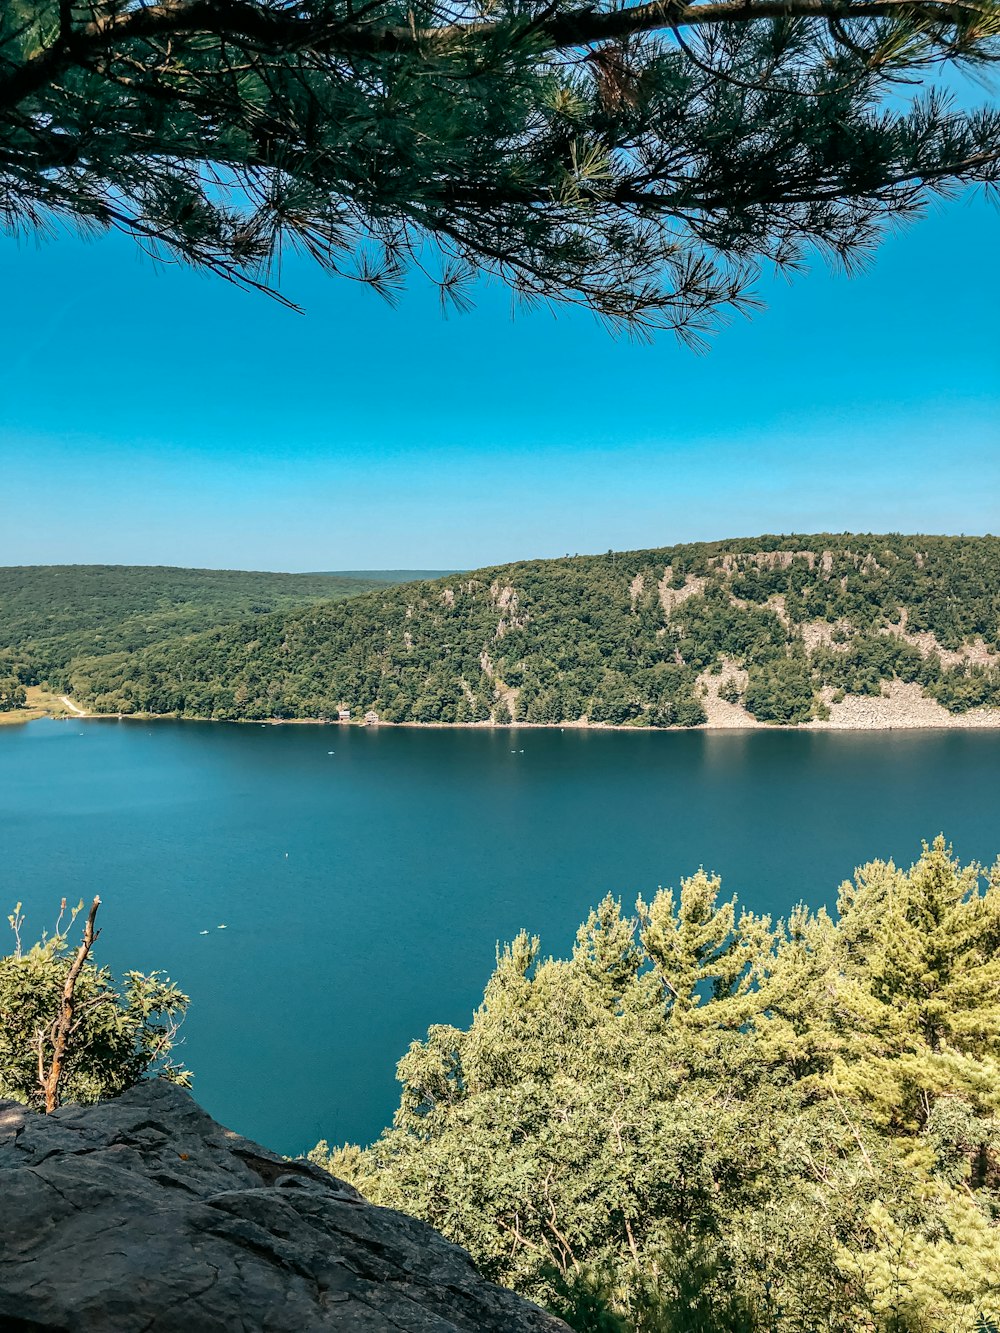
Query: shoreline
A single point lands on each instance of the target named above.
(41, 703)
(878, 719)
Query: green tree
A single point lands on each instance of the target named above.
(641, 160)
(919, 975)
(702, 1120)
(114, 1034)
(780, 690)
(12, 694)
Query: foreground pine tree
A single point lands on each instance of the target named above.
(704, 1120)
(640, 160)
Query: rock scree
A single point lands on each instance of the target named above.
(143, 1213)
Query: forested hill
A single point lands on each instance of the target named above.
(375, 577)
(50, 614)
(780, 627)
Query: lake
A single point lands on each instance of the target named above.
(364, 891)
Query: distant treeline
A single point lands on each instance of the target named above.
(51, 614)
(626, 638)
(380, 576)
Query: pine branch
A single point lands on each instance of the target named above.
(262, 27)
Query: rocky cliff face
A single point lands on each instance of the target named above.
(144, 1214)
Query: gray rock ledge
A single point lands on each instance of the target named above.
(144, 1214)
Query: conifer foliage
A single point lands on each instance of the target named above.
(642, 160)
(706, 1120)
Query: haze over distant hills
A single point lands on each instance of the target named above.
(771, 629)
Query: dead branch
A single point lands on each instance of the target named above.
(63, 1026)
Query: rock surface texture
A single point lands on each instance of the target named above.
(144, 1214)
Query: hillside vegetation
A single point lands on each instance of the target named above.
(379, 576)
(780, 628)
(50, 614)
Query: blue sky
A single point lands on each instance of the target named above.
(156, 416)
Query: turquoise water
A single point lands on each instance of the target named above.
(364, 891)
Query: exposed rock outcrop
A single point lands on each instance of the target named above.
(144, 1214)
(900, 706)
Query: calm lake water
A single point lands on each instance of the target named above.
(364, 890)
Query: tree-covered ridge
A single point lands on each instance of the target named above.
(779, 624)
(721, 1124)
(50, 614)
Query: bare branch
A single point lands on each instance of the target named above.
(63, 1026)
